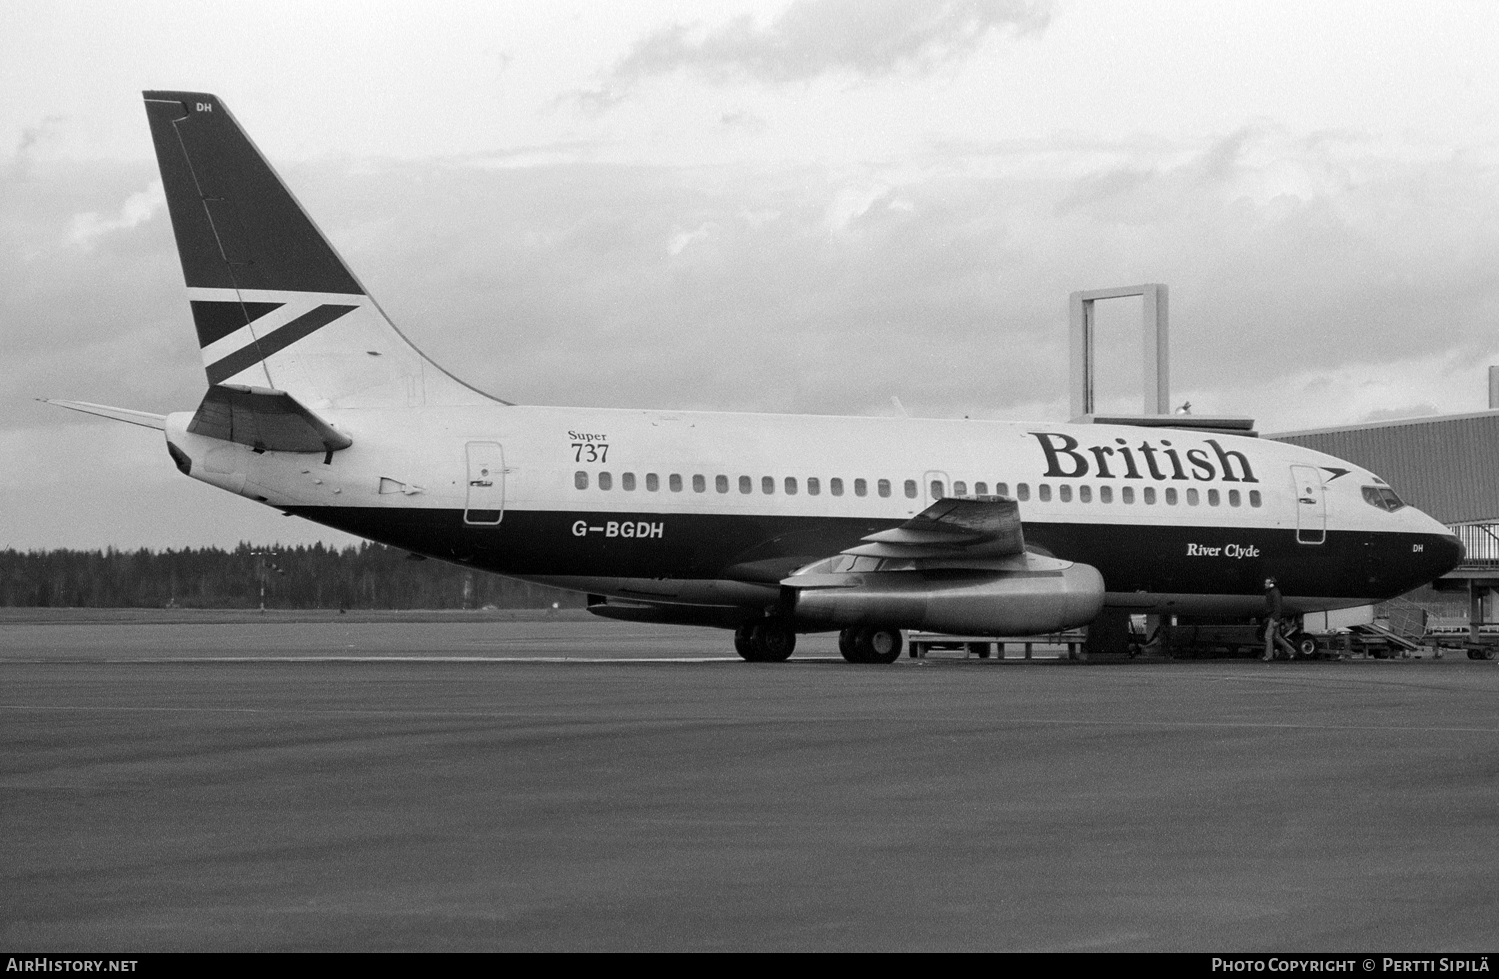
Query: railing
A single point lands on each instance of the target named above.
(1482, 543)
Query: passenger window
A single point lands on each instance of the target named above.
(1022, 492)
(767, 485)
(605, 481)
(1127, 495)
(861, 488)
(674, 483)
(1043, 492)
(980, 489)
(1105, 494)
(937, 489)
(814, 486)
(1192, 497)
(883, 487)
(1212, 497)
(627, 481)
(790, 485)
(580, 479)
(1233, 498)
(652, 482)
(700, 485)
(1254, 497)
(910, 489)
(1171, 496)
(1085, 494)
(1064, 493)
(721, 483)
(746, 485)
(960, 488)
(1003, 489)
(835, 486)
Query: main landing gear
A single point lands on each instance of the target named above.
(869, 644)
(766, 641)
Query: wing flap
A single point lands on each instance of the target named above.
(961, 527)
(265, 419)
(967, 532)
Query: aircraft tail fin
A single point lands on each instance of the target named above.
(273, 303)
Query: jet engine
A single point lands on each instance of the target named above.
(1026, 595)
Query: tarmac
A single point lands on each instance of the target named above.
(479, 781)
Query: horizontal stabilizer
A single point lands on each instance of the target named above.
(265, 419)
(143, 418)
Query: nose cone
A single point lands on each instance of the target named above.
(1443, 553)
(1419, 560)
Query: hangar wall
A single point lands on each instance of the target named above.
(1447, 466)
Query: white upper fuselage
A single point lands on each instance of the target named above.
(1224, 492)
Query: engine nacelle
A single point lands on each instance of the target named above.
(1032, 596)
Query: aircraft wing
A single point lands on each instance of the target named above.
(265, 419)
(967, 527)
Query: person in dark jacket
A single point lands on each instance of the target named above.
(1273, 611)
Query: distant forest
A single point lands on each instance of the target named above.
(370, 576)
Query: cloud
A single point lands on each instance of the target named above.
(88, 227)
(1409, 411)
(1313, 282)
(31, 138)
(681, 239)
(813, 38)
(746, 122)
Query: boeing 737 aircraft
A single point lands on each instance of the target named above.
(771, 525)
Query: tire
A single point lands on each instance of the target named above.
(774, 642)
(879, 645)
(1306, 646)
(744, 643)
(848, 645)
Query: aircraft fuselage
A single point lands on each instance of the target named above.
(708, 507)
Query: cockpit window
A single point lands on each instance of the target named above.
(1382, 497)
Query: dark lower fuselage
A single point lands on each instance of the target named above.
(1345, 568)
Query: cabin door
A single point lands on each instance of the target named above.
(486, 484)
(1311, 505)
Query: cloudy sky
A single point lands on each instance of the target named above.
(805, 206)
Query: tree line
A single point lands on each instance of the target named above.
(367, 576)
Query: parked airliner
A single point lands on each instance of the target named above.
(771, 525)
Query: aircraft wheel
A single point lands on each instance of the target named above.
(848, 644)
(744, 643)
(879, 645)
(774, 641)
(1487, 653)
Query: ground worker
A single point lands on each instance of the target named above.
(1273, 612)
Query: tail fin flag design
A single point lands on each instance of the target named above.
(273, 303)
